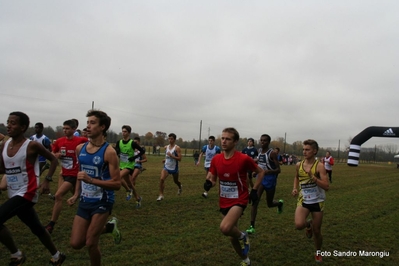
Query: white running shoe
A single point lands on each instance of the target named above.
(160, 198)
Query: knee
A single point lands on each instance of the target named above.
(225, 229)
(300, 225)
(91, 244)
(58, 197)
(76, 244)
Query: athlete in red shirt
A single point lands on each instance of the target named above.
(231, 167)
(64, 149)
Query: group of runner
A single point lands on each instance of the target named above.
(93, 169)
(235, 171)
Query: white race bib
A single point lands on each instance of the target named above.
(228, 190)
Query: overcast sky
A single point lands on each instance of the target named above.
(308, 69)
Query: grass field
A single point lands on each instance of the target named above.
(361, 213)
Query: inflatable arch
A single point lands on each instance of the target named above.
(365, 135)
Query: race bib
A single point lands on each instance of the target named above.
(91, 191)
(310, 193)
(124, 157)
(67, 162)
(228, 190)
(14, 182)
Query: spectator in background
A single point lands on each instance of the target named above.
(328, 163)
(196, 156)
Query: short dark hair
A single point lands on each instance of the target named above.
(39, 125)
(277, 148)
(23, 119)
(173, 135)
(128, 128)
(137, 138)
(233, 131)
(105, 120)
(70, 123)
(267, 137)
(212, 138)
(76, 122)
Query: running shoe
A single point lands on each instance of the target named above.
(49, 228)
(129, 194)
(309, 231)
(138, 203)
(180, 190)
(318, 258)
(245, 244)
(251, 230)
(51, 196)
(160, 198)
(17, 261)
(205, 194)
(243, 263)
(115, 232)
(60, 260)
(280, 206)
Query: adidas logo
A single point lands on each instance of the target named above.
(389, 132)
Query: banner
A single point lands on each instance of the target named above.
(365, 135)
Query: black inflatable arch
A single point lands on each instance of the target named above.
(365, 135)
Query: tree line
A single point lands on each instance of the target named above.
(381, 153)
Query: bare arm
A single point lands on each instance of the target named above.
(35, 149)
(3, 183)
(211, 177)
(2, 167)
(260, 174)
(199, 158)
(296, 180)
(143, 158)
(320, 178)
(274, 158)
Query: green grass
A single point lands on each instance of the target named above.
(361, 213)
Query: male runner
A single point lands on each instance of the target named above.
(208, 151)
(19, 161)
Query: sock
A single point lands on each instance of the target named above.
(109, 227)
(56, 256)
(247, 261)
(17, 254)
(242, 236)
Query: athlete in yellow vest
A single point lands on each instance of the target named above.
(310, 184)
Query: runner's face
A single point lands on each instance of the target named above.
(125, 133)
(264, 142)
(68, 131)
(250, 143)
(38, 130)
(13, 127)
(308, 152)
(94, 129)
(228, 142)
(211, 142)
(171, 140)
